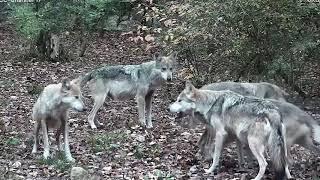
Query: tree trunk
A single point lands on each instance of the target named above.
(83, 43)
(48, 46)
(54, 47)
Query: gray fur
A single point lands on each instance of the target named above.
(254, 122)
(51, 111)
(123, 82)
(261, 90)
(300, 129)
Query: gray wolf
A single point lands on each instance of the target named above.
(254, 122)
(51, 111)
(301, 128)
(260, 90)
(129, 81)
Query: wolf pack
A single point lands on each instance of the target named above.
(255, 116)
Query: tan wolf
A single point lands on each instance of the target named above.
(51, 111)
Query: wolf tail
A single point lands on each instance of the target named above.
(282, 93)
(86, 78)
(278, 151)
(316, 132)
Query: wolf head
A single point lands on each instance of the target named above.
(186, 101)
(166, 65)
(71, 94)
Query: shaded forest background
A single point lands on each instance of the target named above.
(216, 40)
(42, 42)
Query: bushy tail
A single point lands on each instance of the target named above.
(86, 78)
(278, 151)
(281, 93)
(316, 132)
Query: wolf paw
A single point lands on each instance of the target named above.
(70, 159)
(211, 170)
(149, 126)
(99, 123)
(93, 126)
(46, 155)
(207, 171)
(142, 123)
(34, 151)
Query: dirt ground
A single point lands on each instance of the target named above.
(119, 149)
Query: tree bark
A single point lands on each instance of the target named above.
(83, 43)
(48, 46)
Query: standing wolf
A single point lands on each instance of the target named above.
(51, 111)
(260, 90)
(301, 128)
(252, 121)
(128, 81)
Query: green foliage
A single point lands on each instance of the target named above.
(107, 142)
(59, 162)
(34, 89)
(247, 37)
(27, 21)
(13, 141)
(61, 15)
(161, 175)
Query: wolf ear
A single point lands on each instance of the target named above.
(65, 85)
(157, 57)
(189, 87)
(76, 81)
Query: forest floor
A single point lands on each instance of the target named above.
(119, 149)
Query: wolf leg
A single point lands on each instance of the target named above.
(58, 138)
(66, 141)
(148, 107)
(202, 142)
(209, 143)
(141, 110)
(46, 152)
(287, 146)
(257, 150)
(240, 153)
(36, 139)
(98, 102)
(219, 138)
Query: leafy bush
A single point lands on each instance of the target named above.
(27, 21)
(61, 15)
(252, 39)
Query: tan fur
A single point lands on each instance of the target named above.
(51, 111)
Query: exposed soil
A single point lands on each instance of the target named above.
(119, 149)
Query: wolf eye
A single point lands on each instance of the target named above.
(163, 69)
(170, 69)
(179, 100)
(77, 97)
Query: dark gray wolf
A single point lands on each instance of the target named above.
(301, 128)
(260, 90)
(51, 111)
(254, 122)
(129, 81)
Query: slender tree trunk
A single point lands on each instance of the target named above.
(83, 43)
